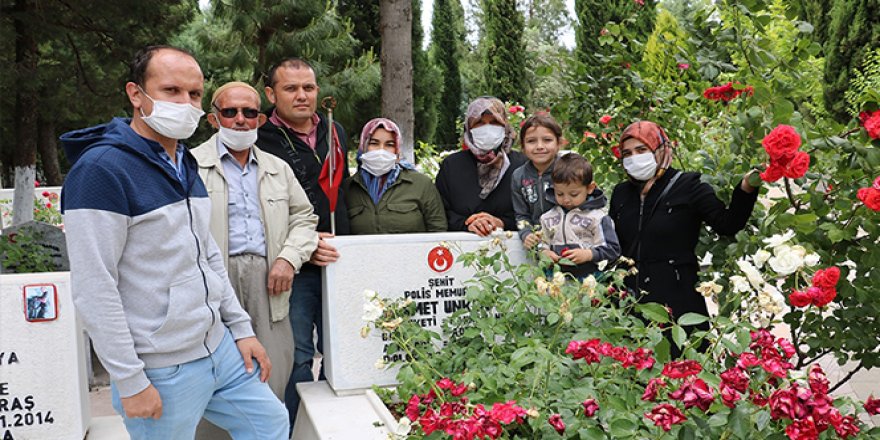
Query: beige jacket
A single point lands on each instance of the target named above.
(288, 221)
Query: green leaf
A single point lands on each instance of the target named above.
(739, 422)
(591, 433)
(692, 319)
(679, 336)
(622, 428)
(687, 433)
(653, 311)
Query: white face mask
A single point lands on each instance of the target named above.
(237, 140)
(378, 162)
(172, 120)
(640, 166)
(487, 137)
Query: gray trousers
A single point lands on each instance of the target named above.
(249, 276)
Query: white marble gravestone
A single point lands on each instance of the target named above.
(43, 381)
(406, 265)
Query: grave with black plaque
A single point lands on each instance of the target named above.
(34, 241)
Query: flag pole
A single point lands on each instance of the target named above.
(328, 104)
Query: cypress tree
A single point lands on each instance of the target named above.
(594, 14)
(426, 81)
(504, 57)
(854, 30)
(446, 37)
(665, 47)
(816, 12)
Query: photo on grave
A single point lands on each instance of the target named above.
(40, 302)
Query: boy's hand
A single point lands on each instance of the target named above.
(551, 255)
(578, 256)
(530, 241)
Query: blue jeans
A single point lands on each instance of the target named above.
(216, 386)
(305, 315)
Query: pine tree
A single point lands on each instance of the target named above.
(426, 82)
(446, 38)
(854, 30)
(504, 59)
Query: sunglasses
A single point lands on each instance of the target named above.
(232, 112)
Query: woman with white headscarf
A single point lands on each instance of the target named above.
(475, 183)
(386, 195)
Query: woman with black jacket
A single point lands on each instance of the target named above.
(658, 214)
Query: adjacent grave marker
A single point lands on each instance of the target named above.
(47, 238)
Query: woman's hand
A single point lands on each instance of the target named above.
(578, 256)
(483, 223)
(530, 241)
(751, 181)
(551, 255)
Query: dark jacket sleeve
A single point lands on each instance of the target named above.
(520, 206)
(725, 220)
(343, 142)
(610, 251)
(455, 221)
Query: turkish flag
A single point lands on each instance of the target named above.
(336, 160)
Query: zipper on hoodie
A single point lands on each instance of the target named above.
(202, 271)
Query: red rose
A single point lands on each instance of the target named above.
(653, 387)
(785, 404)
(412, 407)
(787, 347)
(872, 406)
(556, 422)
(589, 134)
(823, 296)
(870, 197)
(459, 389)
(845, 426)
(773, 173)
(747, 360)
(872, 125)
(798, 166)
(590, 407)
(506, 413)
(758, 399)
(684, 66)
(445, 383)
(729, 396)
(877, 183)
(605, 119)
(615, 151)
(665, 415)
(818, 381)
(826, 278)
(681, 369)
(802, 430)
(736, 378)
(781, 144)
(694, 392)
(799, 298)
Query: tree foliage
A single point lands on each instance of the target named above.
(504, 57)
(854, 30)
(447, 37)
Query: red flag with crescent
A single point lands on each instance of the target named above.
(335, 160)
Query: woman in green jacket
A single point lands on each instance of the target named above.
(386, 195)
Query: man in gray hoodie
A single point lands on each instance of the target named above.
(146, 276)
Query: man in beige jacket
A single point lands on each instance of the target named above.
(261, 219)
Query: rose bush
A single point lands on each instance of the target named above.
(551, 357)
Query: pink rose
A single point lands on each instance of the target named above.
(556, 422)
(653, 388)
(872, 406)
(802, 430)
(665, 415)
(681, 369)
(605, 119)
(694, 392)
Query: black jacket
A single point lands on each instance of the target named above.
(306, 164)
(459, 187)
(665, 255)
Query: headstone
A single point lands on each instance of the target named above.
(408, 265)
(43, 384)
(46, 237)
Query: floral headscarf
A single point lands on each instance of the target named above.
(654, 137)
(489, 169)
(376, 186)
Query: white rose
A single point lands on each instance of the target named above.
(778, 239)
(811, 259)
(558, 279)
(740, 284)
(372, 311)
(706, 261)
(786, 260)
(601, 265)
(709, 288)
(751, 272)
(370, 295)
(761, 257)
(404, 426)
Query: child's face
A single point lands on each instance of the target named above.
(570, 195)
(540, 145)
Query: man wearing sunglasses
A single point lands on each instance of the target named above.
(146, 276)
(262, 220)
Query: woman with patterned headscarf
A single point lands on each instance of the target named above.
(658, 215)
(475, 183)
(386, 195)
